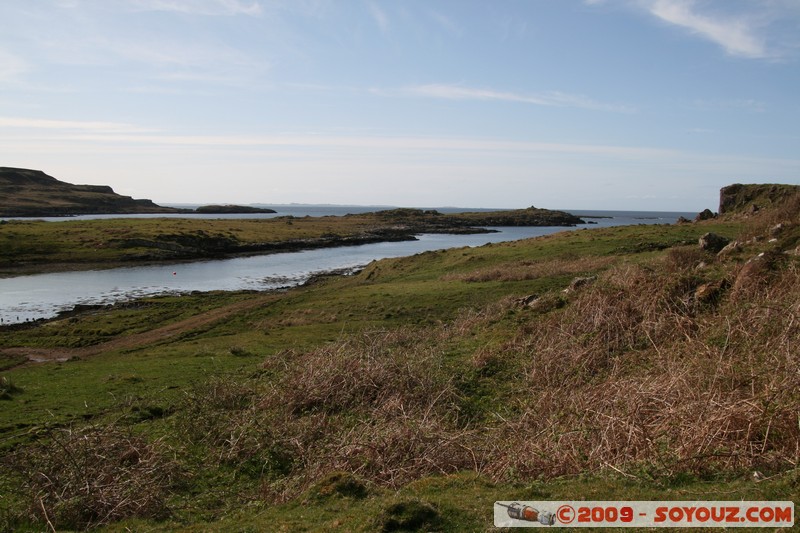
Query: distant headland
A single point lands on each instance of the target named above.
(32, 193)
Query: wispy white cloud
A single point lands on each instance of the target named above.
(741, 104)
(765, 29)
(11, 67)
(125, 135)
(114, 42)
(160, 58)
(343, 168)
(380, 16)
(69, 125)
(737, 35)
(551, 98)
(200, 7)
(188, 55)
(99, 137)
(446, 22)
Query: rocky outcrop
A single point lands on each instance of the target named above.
(432, 221)
(756, 271)
(32, 193)
(731, 248)
(711, 242)
(231, 210)
(579, 282)
(739, 198)
(201, 245)
(710, 292)
(706, 214)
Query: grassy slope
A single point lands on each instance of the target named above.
(463, 396)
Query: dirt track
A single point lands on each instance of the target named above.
(139, 340)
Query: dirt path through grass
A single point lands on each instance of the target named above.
(139, 340)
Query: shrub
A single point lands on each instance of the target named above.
(628, 376)
(83, 478)
(409, 515)
(680, 258)
(631, 373)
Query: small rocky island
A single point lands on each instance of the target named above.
(229, 209)
(432, 221)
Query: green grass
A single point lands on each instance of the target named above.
(265, 410)
(88, 243)
(418, 290)
(93, 327)
(61, 393)
(458, 502)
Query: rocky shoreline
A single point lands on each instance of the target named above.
(192, 247)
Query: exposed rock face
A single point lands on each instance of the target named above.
(755, 271)
(706, 214)
(32, 193)
(776, 230)
(577, 283)
(738, 198)
(541, 304)
(730, 249)
(709, 292)
(711, 242)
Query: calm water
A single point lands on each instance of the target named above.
(43, 296)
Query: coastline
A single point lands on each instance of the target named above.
(33, 246)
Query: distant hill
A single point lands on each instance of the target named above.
(32, 193)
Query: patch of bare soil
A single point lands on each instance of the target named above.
(139, 340)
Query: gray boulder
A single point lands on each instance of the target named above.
(706, 214)
(711, 242)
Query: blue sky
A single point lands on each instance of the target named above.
(583, 104)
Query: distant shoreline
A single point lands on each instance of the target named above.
(324, 210)
(37, 246)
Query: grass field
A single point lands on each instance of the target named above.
(414, 394)
(92, 243)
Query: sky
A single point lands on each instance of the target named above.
(564, 104)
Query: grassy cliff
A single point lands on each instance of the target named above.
(740, 198)
(619, 363)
